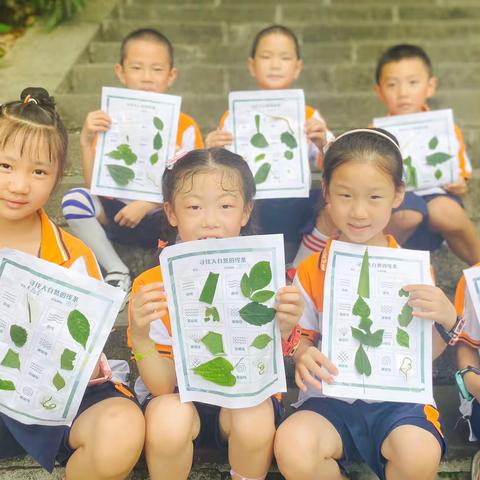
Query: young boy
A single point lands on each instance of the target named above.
(146, 63)
(404, 83)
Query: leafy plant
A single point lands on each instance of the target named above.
(258, 140)
(79, 327)
(18, 335)
(7, 385)
(58, 381)
(214, 343)
(11, 359)
(217, 371)
(123, 152)
(289, 140)
(262, 173)
(67, 359)
(209, 288)
(121, 175)
(261, 341)
(211, 313)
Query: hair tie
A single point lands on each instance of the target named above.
(180, 154)
(30, 99)
(365, 130)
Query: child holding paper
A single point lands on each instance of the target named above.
(33, 145)
(404, 83)
(146, 63)
(208, 194)
(275, 63)
(363, 182)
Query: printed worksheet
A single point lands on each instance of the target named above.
(268, 131)
(428, 144)
(381, 350)
(472, 293)
(226, 341)
(131, 157)
(54, 323)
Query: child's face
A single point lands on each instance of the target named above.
(361, 209)
(26, 182)
(209, 205)
(275, 65)
(405, 86)
(146, 67)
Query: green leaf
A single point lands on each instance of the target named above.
(365, 324)
(79, 327)
(126, 154)
(403, 293)
(403, 338)
(157, 141)
(209, 288)
(362, 363)
(374, 339)
(58, 381)
(358, 335)
(245, 286)
(361, 308)
(262, 173)
(438, 174)
(121, 175)
(214, 343)
(412, 180)
(11, 360)
(257, 123)
(260, 275)
(18, 335)
(260, 157)
(211, 313)
(67, 359)
(262, 296)
(437, 158)
(432, 144)
(158, 123)
(257, 313)
(217, 371)
(261, 341)
(289, 140)
(407, 161)
(288, 154)
(154, 158)
(115, 154)
(364, 280)
(259, 141)
(405, 316)
(6, 384)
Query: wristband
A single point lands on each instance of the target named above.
(450, 337)
(143, 355)
(461, 382)
(290, 346)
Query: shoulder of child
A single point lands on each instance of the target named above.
(151, 275)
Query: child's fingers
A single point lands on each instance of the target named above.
(306, 377)
(299, 382)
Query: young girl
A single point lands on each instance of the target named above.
(208, 194)
(362, 183)
(33, 145)
(275, 63)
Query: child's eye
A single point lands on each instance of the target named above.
(5, 166)
(40, 172)
(227, 205)
(344, 195)
(193, 207)
(375, 197)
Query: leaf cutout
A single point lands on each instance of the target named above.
(432, 144)
(361, 308)
(18, 335)
(211, 313)
(245, 286)
(217, 371)
(262, 296)
(403, 293)
(288, 154)
(365, 324)
(260, 275)
(58, 381)
(208, 290)
(289, 140)
(362, 363)
(363, 289)
(261, 341)
(6, 385)
(257, 314)
(403, 338)
(157, 141)
(121, 175)
(438, 174)
(79, 327)
(405, 316)
(11, 359)
(374, 339)
(437, 158)
(67, 359)
(262, 173)
(214, 343)
(158, 123)
(260, 157)
(154, 158)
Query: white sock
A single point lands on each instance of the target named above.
(311, 243)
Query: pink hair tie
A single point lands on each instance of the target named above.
(180, 154)
(30, 99)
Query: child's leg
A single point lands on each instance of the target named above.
(307, 447)
(448, 218)
(171, 428)
(108, 438)
(250, 433)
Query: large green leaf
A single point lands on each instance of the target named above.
(361, 308)
(403, 338)
(79, 327)
(58, 381)
(245, 286)
(262, 296)
(11, 359)
(214, 343)
(121, 175)
(209, 288)
(67, 359)
(158, 123)
(18, 335)
(363, 289)
(217, 371)
(405, 316)
(437, 158)
(6, 384)
(261, 341)
(257, 313)
(260, 275)
(289, 140)
(262, 173)
(362, 363)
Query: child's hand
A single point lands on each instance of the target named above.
(148, 304)
(289, 307)
(218, 138)
(97, 121)
(133, 213)
(433, 303)
(459, 188)
(316, 131)
(312, 367)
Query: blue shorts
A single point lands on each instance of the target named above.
(49, 444)
(475, 418)
(423, 238)
(363, 427)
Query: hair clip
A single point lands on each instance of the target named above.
(30, 99)
(180, 154)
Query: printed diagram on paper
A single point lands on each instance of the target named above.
(53, 325)
(226, 340)
(472, 297)
(131, 156)
(268, 131)
(428, 144)
(381, 350)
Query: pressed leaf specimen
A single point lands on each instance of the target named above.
(411, 172)
(437, 158)
(262, 173)
(209, 288)
(11, 359)
(18, 335)
(123, 152)
(79, 327)
(403, 338)
(214, 343)
(289, 140)
(261, 341)
(218, 371)
(211, 313)
(6, 384)
(258, 140)
(58, 381)
(257, 313)
(260, 157)
(67, 359)
(121, 175)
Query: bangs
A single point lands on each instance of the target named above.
(230, 178)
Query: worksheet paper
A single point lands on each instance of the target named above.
(226, 340)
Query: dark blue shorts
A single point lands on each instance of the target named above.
(363, 427)
(423, 238)
(49, 444)
(146, 234)
(475, 418)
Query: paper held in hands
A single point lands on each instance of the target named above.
(131, 157)
(226, 341)
(268, 132)
(382, 352)
(54, 323)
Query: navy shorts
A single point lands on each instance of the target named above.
(363, 427)
(475, 418)
(146, 234)
(423, 238)
(49, 444)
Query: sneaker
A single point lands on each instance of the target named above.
(476, 466)
(120, 280)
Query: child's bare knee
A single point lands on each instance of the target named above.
(407, 219)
